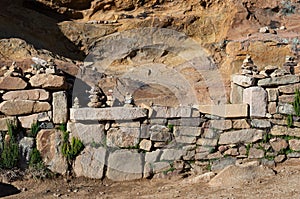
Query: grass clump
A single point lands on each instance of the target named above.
(71, 150)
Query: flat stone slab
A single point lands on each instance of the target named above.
(124, 165)
(48, 81)
(102, 114)
(256, 97)
(242, 80)
(241, 136)
(12, 83)
(282, 80)
(225, 110)
(173, 112)
(34, 94)
(21, 107)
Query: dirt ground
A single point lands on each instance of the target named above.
(285, 184)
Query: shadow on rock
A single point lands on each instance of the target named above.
(7, 190)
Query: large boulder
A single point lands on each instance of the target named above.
(48, 142)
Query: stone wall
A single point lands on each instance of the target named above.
(127, 143)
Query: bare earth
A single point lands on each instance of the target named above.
(285, 184)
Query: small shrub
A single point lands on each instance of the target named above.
(171, 127)
(289, 121)
(71, 150)
(296, 103)
(34, 157)
(35, 127)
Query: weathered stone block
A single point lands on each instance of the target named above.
(286, 98)
(103, 114)
(35, 94)
(145, 145)
(286, 109)
(240, 124)
(193, 122)
(275, 81)
(207, 142)
(236, 94)
(220, 164)
(90, 163)
(27, 121)
(284, 130)
(60, 107)
(125, 165)
(173, 112)
(159, 167)
(289, 89)
(160, 133)
(145, 131)
(278, 144)
(21, 107)
(12, 83)
(123, 137)
(48, 142)
(185, 139)
(242, 80)
(272, 94)
(220, 124)
(241, 136)
(294, 144)
(260, 123)
(171, 154)
(226, 110)
(87, 133)
(272, 107)
(211, 133)
(153, 156)
(256, 97)
(3, 122)
(48, 81)
(187, 131)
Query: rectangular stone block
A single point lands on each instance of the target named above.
(34, 94)
(60, 107)
(242, 80)
(241, 136)
(173, 112)
(207, 142)
(286, 98)
(185, 139)
(256, 97)
(3, 122)
(272, 106)
(289, 89)
(123, 137)
(285, 109)
(193, 121)
(236, 94)
(272, 94)
(284, 130)
(276, 81)
(220, 124)
(88, 133)
(187, 131)
(102, 114)
(226, 110)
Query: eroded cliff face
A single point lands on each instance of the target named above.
(227, 31)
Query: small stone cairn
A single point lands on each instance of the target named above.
(97, 98)
(41, 66)
(248, 67)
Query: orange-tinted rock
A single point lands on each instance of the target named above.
(48, 81)
(12, 83)
(36, 94)
(21, 107)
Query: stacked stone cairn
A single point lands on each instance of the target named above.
(97, 97)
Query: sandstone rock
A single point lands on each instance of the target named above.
(21, 107)
(158, 121)
(240, 124)
(279, 158)
(185, 139)
(3, 122)
(287, 79)
(256, 153)
(272, 107)
(286, 98)
(48, 142)
(240, 136)
(145, 131)
(226, 110)
(242, 80)
(160, 133)
(234, 175)
(171, 154)
(283, 130)
(123, 137)
(260, 123)
(27, 121)
(286, 109)
(145, 145)
(272, 94)
(87, 133)
(114, 113)
(256, 97)
(294, 144)
(12, 83)
(35, 94)
(48, 81)
(153, 156)
(60, 107)
(220, 124)
(289, 89)
(201, 156)
(214, 156)
(90, 163)
(232, 152)
(236, 94)
(187, 131)
(25, 146)
(278, 144)
(207, 142)
(124, 165)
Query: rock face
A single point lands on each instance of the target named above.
(12, 83)
(60, 107)
(48, 142)
(90, 163)
(20, 107)
(35, 94)
(48, 81)
(124, 165)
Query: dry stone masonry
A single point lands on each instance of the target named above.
(129, 142)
